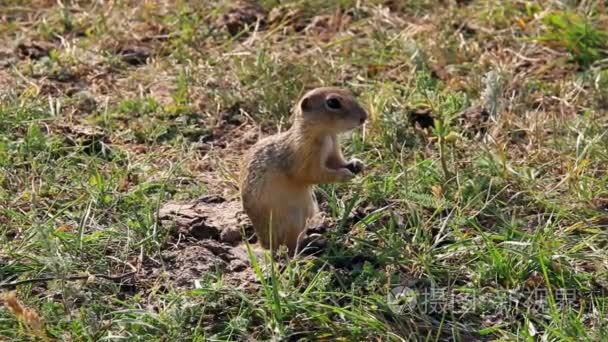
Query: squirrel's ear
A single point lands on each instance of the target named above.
(305, 104)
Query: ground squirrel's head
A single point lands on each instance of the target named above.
(330, 108)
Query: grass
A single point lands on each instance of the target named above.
(497, 224)
(586, 42)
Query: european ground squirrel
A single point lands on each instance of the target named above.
(278, 173)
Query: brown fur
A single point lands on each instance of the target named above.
(279, 172)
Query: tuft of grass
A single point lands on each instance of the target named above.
(586, 41)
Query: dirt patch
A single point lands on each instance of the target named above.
(222, 148)
(206, 240)
(210, 217)
(34, 50)
(7, 81)
(243, 14)
(232, 131)
(474, 120)
(325, 26)
(7, 58)
(185, 263)
(601, 204)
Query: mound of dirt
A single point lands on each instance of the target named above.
(185, 263)
(206, 241)
(207, 218)
(207, 237)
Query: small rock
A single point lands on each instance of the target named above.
(230, 235)
(237, 265)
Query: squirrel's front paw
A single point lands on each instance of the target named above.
(355, 166)
(345, 174)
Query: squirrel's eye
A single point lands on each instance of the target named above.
(333, 103)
